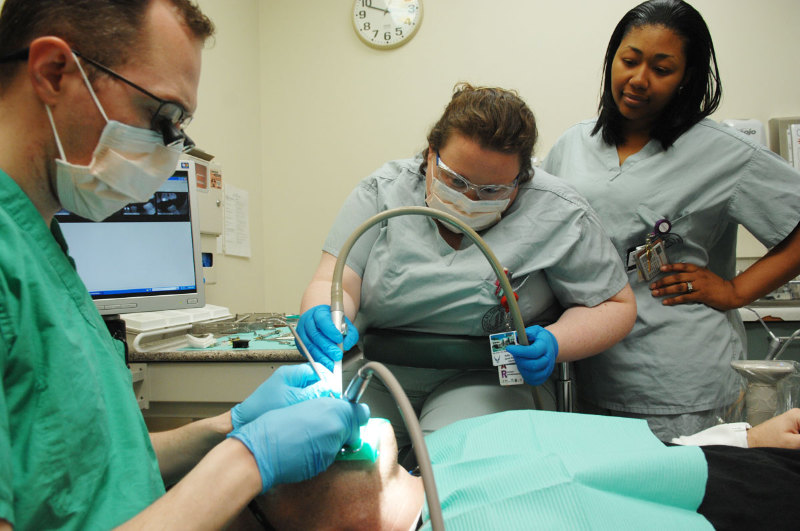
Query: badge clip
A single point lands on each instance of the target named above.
(647, 259)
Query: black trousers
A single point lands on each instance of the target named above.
(752, 488)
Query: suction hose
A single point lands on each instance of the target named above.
(337, 313)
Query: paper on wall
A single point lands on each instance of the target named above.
(794, 137)
(236, 221)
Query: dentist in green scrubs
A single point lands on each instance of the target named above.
(93, 99)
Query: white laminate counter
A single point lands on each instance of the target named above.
(201, 383)
(775, 312)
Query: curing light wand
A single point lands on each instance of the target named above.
(338, 318)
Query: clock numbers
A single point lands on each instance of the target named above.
(386, 23)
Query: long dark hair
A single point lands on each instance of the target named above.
(701, 91)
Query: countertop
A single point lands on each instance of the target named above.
(773, 311)
(228, 355)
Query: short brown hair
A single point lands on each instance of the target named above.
(496, 118)
(105, 30)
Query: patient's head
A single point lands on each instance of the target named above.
(350, 495)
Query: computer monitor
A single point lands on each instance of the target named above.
(145, 257)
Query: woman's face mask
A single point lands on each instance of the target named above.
(128, 165)
(478, 215)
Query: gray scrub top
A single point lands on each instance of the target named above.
(677, 358)
(550, 240)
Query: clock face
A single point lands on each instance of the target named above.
(386, 24)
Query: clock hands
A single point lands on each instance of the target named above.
(385, 11)
(381, 32)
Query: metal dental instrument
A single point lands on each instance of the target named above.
(302, 348)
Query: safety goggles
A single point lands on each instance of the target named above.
(169, 119)
(463, 185)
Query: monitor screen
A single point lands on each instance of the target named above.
(145, 257)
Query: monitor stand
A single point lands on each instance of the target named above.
(116, 327)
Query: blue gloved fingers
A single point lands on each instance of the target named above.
(324, 321)
(300, 376)
(544, 335)
(351, 338)
(537, 360)
(306, 329)
(300, 441)
(534, 351)
(320, 336)
(317, 354)
(535, 372)
(532, 332)
(363, 413)
(317, 389)
(300, 394)
(289, 385)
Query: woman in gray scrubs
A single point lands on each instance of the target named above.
(415, 274)
(671, 187)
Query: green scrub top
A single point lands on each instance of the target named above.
(74, 449)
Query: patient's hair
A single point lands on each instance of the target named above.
(495, 118)
(351, 495)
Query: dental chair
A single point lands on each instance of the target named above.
(412, 349)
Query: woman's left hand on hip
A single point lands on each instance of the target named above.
(693, 284)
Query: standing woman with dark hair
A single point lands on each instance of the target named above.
(671, 188)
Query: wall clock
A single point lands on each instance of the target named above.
(386, 24)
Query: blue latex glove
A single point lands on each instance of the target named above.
(537, 360)
(288, 385)
(321, 336)
(298, 442)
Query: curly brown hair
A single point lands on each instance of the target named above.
(495, 118)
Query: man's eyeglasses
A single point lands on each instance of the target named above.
(169, 119)
(463, 185)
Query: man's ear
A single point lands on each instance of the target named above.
(49, 60)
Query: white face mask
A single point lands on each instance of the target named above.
(128, 165)
(478, 215)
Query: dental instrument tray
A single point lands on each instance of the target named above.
(242, 331)
(243, 323)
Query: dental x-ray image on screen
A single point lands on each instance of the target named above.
(144, 257)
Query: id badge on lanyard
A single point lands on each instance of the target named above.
(648, 258)
(507, 371)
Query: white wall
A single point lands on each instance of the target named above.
(228, 125)
(298, 110)
(334, 109)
